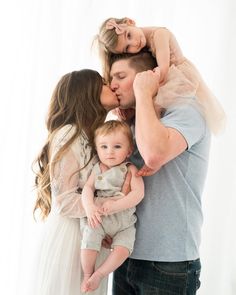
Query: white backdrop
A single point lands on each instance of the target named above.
(43, 39)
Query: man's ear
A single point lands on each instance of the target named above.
(129, 21)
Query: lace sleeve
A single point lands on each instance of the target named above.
(66, 177)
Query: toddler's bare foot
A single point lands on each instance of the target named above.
(94, 281)
(84, 284)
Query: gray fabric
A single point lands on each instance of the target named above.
(170, 215)
(120, 226)
(109, 183)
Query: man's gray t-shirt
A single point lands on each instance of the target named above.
(170, 215)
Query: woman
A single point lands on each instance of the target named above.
(79, 104)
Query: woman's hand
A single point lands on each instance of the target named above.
(126, 188)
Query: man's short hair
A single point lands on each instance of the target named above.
(141, 61)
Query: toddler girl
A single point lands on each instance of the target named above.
(179, 78)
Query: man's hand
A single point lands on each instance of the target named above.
(109, 207)
(106, 242)
(146, 171)
(146, 84)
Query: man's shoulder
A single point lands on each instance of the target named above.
(188, 119)
(184, 111)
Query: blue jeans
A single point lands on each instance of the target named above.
(141, 277)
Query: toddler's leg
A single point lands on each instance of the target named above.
(88, 260)
(113, 261)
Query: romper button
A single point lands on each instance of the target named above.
(99, 177)
(122, 169)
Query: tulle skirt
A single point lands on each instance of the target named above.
(58, 268)
(184, 81)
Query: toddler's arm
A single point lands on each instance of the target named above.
(92, 211)
(161, 40)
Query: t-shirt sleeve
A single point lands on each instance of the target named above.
(188, 120)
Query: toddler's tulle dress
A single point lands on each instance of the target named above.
(183, 81)
(58, 269)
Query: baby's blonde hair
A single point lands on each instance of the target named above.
(112, 126)
(107, 40)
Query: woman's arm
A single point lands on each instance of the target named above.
(65, 176)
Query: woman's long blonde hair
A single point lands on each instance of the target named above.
(75, 101)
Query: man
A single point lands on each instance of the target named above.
(175, 150)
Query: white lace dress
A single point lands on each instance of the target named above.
(59, 270)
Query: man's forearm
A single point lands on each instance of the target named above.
(151, 135)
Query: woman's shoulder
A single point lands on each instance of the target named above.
(64, 133)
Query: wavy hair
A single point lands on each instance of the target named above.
(75, 101)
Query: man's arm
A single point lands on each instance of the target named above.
(157, 144)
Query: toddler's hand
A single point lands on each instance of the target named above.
(157, 71)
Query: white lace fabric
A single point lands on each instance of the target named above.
(66, 177)
(57, 268)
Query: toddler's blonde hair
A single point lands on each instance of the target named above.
(106, 41)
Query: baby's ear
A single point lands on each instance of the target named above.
(129, 21)
(130, 152)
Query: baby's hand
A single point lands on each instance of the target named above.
(109, 207)
(94, 216)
